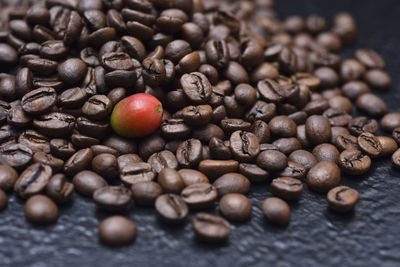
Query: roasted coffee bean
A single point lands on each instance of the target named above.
(217, 52)
(42, 66)
(54, 124)
(231, 125)
(17, 117)
(298, 117)
(196, 87)
(61, 148)
(336, 131)
(197, 115)
(326, 152)
(117, 231)
(190, 176)
(189, 153)
(72, 98)
(346, 142)
(59, 189)
(261, 111)
(79, 161)
(48, 159)
(3, 200)
(112, 198)
(105, 165)
(389, 145)
(354, 162)
(261, 130)
(97, 107)
(8, 176)
(360, 125)
(33, 180)
(171, 208)
(378, 79)
(232, 183)
(121, 144)
(371, 104)
(244, 146)
(303, 158)
(174, 129)
(370, 58)
(282, 126)
(235, 207)
(396, 159)
(337, 117)
(163, 159)
(287, 145)
(354, 89)
(145, 193)
(134, 172)
(342, 198)
(351, 69)
(276, 211)
(253, 172)
(272, 160)
(218, 149)
(35, 141)
(150, 145)
(205, 133)
(100, 149)
(8, 55)
(199, 195)
(15, 155)
(323, 176)
(294, 170)
(210, 228)
(370, 145)
(39, 101)
(216, 168)
(92, 128)
(318, 130)
(170, 181)
(286, 187)
(41, 210)
(390, 121)
(87, 182)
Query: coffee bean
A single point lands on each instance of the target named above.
(112, 198)
(199, 195)
(326, 152)
(378, 79)
(100, 149)
(235, 207)
(41, 210)
(261, 111)
(210, 228)
(354, 89)
(121, 144)
(15, 155)
(370, 58)
(323, 176)
(3, 200)
(370, 145)
(97, 107)
(360, 125)
(287, 145)
(276, 211)
(217, 53)
(197, 115)
(216, 168)
(161, 160)
(105, 165)
(17, 117)
(232, 183)
(189, 153)
(196, 87)
(87, 182)
(171, 208)
(389, 145)
(231, 125)
(170, 181)
(396, 159)
(371, 104)
(174, 129)
(48, 159)
(8, 55)
(390, 121)
(145, 193)
(272, 160)
(286, 187)
(337, 117)
(79, 161)
(261, 130)
(354, 162)
(54, 124)
(8, 176)
(342, 198)
(190, 176)
(294, 170)
(61, 148)
(117, 231)
(253, 172)
(59, 189)
(244, 146)
(35, 141)
(351, 69)
(318, 130)
(133, 172)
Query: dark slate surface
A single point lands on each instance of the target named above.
(316, 236)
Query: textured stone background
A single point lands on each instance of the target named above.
(316, 236)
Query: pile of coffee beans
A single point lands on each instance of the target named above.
(247, 98)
